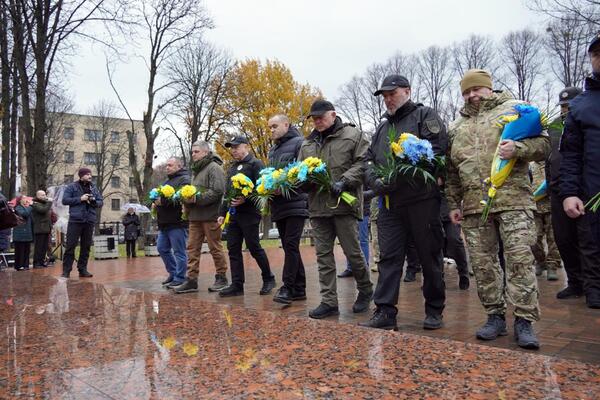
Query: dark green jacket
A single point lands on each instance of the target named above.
(210, 179)
(344, 153)
(42, 222)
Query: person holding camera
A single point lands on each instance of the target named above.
(83, 199)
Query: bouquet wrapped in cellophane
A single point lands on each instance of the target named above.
(241, 186)
(314, 170)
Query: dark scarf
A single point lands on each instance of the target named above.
(199, 165)
(86, 186)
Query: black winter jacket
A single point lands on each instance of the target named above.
(552, 166)
(281, 154)
(580, 144)
(251, 167)
(82, 211)
(422, 122)
(168, 215)
(132, 225)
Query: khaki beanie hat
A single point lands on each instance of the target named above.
(475, 78)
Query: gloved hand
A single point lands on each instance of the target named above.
(368, 195)
(337, 188)
(379, 187)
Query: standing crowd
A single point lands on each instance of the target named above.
(411, 219)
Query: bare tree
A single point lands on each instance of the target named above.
(163, 25)
(474, 52)
(350, 102)
(59, 106)
(5, 100)
(41, 31)
(585, 11)
(523, 59)
(199, 75)
(435, 74)
(110, 149)
(566, 41)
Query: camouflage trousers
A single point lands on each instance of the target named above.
(551, 259)
(518, 283)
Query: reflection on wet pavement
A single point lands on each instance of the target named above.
(85, 340)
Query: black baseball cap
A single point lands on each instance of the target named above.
(595, 42)
(567, 94)
(236, 140)
(392, 82)
(320, 107)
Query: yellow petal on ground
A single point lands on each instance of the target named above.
(228, 318)
(243, 365)
(352, 364)
(190, 349)
(169, 343)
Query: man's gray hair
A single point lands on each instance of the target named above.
(281, 117)
(177, 159)
(204, 145)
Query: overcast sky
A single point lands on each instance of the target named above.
(323, 42)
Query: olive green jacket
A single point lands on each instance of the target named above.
(474, 137)
(344, 152)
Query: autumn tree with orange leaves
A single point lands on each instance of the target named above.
(256, 92)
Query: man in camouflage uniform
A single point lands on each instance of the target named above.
(474, 137)
(548, 261)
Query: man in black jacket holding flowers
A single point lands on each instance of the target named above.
(244, 222)
(410, 207)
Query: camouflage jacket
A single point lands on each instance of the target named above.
(474, 137)
(538, 175)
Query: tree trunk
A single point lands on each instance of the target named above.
(5, 102)
(14, 130)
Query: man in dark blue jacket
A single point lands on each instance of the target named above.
(172, 229)
(580, 150)
(289, 213)
(83, 199)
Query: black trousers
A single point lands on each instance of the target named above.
(40, 248)
(22, 251)
(578, 249)
(290, 232)
(422, 222)
(245, 228)
(130, 247)
(412, 257)
(454, 247)
(75, 232)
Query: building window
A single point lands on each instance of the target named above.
(115, 204)
(131, 181)
(115, 137)
(114, 159)
(115, 182)
(92, 135)
(91, 158)
(69, 157)
(69, 133)
(68, 179)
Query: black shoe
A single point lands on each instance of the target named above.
(362, 303)
(174, 284)
(85, 274)
(410, 276)
(231, 290)
(65, 275)
(345, 274)
(323, 310)
(432, 322)
(283, 296)
(524, 334)
(463, 283)
(267, 287)
(167, 281)
(189, 286)
(220, 283)
(592, 300)
(381, 320)
(494, 327)
(570, 292)
(298, 295)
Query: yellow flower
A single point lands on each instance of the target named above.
(190, 349)
(236, 185)
(169, 343)
(312, 162)
(188, 191)
(277, 173)
(397, 149)
(404, 137)
(167, 191)
(245, 192)
(261, 189)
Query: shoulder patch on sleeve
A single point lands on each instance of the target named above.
(433, 125)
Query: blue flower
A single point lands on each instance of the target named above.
(265, 171)
(321, 168)
(154, 194)
(303, 173)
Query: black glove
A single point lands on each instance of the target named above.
(337, 188)
(379, 187)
